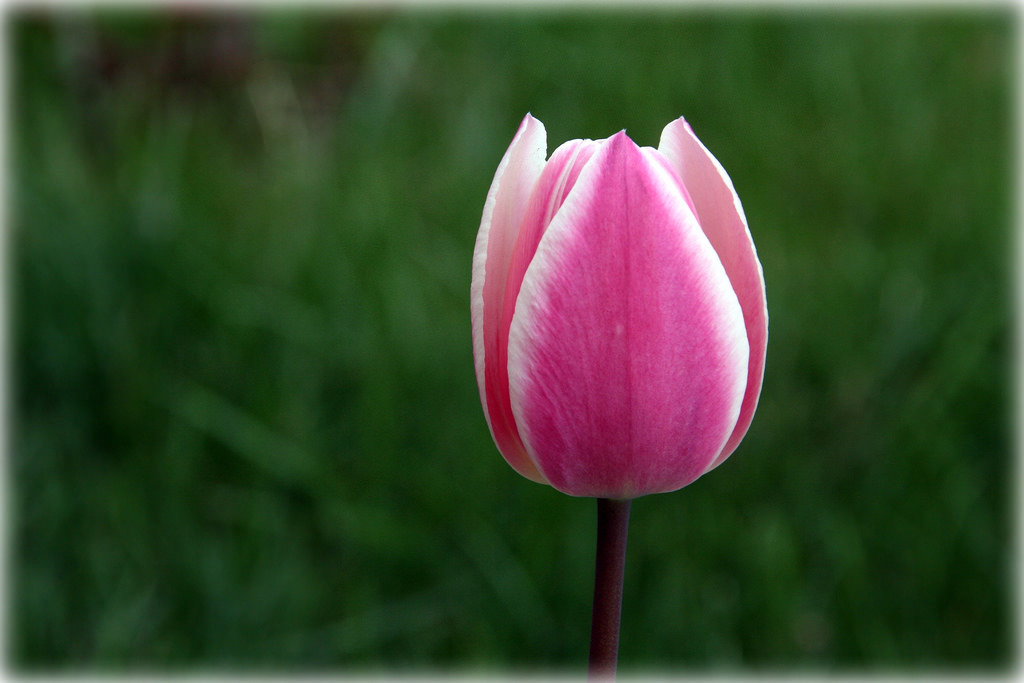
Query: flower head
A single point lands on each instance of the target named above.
(619, 313)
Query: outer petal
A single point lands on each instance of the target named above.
(722, 219)
(627, 351)
(499, 228)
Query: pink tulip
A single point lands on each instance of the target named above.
(619, 313)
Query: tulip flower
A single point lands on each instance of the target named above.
(619, 326)
(619, 313)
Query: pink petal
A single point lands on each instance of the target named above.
(627, 351)
(499, 229)
(722, 219)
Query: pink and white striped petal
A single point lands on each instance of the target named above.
(723, 221)
(504, 209)
(627, 349)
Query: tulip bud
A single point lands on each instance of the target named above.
(619, 313)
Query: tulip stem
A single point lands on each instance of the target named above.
(612, 527)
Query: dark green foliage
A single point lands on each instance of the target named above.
(245, 429)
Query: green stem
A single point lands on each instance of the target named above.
(612, 527)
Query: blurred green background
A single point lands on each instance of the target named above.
(246, 433)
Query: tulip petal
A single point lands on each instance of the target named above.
(503, 214)
(627, 350)
(723, 221)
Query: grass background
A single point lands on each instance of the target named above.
(246, 434)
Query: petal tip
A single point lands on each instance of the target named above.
(675, 128)
(620, 143)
